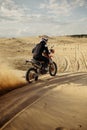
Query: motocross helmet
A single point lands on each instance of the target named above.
(44, 39)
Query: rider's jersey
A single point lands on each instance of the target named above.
(40, 48)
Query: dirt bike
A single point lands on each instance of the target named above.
(38, 68)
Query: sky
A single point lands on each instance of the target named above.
(20, 18)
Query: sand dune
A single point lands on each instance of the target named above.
(58, 104)
(70, 56)
(62, 99)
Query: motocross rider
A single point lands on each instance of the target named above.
(39, 50)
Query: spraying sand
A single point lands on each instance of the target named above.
(9, 78)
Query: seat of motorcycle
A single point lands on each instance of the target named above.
(36, 61)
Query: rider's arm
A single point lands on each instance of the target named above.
(46, 49)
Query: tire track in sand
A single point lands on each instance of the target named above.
(17, 100)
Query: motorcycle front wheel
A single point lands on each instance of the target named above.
(53, 69)
(31, 75)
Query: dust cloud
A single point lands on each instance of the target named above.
(9, 78)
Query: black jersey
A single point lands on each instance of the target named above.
(40, 48)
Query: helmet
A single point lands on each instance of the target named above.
(44, 39)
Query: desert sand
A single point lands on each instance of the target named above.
(52, 103)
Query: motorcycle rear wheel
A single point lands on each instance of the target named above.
(53, 69)
(31, 75)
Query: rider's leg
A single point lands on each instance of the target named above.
(46, 62)
(43, 58)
